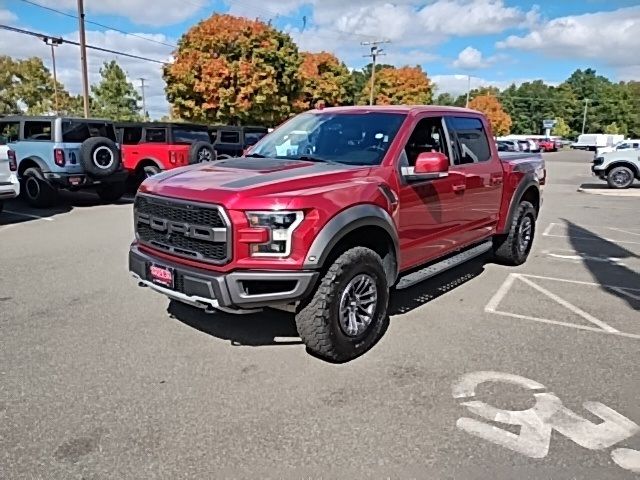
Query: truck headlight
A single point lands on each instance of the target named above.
(280, 225)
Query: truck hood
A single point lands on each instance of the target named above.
(226, 181)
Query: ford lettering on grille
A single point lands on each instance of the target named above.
(185, 229)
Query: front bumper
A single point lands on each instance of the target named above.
(80, 180)
(233, 292)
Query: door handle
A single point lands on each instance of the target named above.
(496, 179)
(459, 188)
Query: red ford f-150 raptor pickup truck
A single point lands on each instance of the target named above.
(330, 211)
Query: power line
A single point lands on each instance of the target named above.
(70, 15)
(92, 47)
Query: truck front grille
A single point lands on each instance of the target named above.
(186, 229)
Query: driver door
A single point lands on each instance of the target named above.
(430, 210)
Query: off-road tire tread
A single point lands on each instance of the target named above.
(313, 322)
(613, 185)
(505, 248)
(48, 194)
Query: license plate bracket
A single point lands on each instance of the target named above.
(161, 275)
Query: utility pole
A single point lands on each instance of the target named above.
(375, 53)
(144, 103)
(83, 59)
(54, 42)
(468, 89)
(584, 118)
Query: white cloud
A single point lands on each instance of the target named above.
(458, 84)
(139, 12)
(610, 37)
(7, 17)
(470, 59)
(68, 60)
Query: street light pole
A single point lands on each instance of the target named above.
(468, 90)
(54, 42)
(83, 58)
(584, 118)
(144, 103)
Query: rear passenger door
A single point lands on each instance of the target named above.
(474, 158)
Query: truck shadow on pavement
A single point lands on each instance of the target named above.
(592, 248)
(18, 211)
(273, 327)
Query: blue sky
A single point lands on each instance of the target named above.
(496, 42)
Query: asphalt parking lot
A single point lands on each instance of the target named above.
(100, 379)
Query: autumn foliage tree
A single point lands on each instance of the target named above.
(492, 108)
(233, 70)
(324, 79)
(400, 86)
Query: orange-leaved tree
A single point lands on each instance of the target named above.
(400, 86)
(233, 70)
(324, 79)
(492, 108)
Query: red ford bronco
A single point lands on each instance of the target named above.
(149, 148)
(330, 211)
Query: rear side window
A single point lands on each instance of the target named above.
(37, 131)
(78, 131)
(229, 137)
(9, 132)
(472, 139)
(156, 135)
(189, 135)
(131, 135)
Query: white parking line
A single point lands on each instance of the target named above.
(569, 306)
(494, 302)
(28, 215)
(578, 257)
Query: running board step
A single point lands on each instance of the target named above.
(428, 272)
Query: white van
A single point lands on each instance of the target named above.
(593, 141)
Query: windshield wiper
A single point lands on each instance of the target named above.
(308, 158)
(255, 155)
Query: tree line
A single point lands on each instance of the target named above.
(27, 87)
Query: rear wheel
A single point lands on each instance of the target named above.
(514, 247)
(150, 171)
(620, 177)
(110, 192)
(36, 190)
(348, 311)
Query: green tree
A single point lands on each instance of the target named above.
(445, 99)
(233, 70)
(115, 97)
(561, 129)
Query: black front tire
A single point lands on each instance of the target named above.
(111, 192)
(514, 247)
(319, 321)
(620, 177)
(36, 190)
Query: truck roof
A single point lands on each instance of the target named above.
(160, 125)
(15, 118)
(408, 109)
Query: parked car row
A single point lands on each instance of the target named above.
(41, 155)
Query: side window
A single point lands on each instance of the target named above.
(156, 135)
(37, 131)
(229, 137)
(9, 132)
(427, 136)
(472, 139)
(131, 135)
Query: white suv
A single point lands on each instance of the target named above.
(9, 185)
(618, 168)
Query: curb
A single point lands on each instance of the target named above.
(633, 192)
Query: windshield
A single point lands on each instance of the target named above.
(78, 131)
(190, 135)
(349, 138)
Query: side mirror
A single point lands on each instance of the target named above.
(429, 166)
